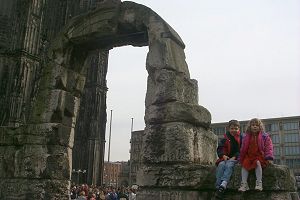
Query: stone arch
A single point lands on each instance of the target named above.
(176, 126)
(178, 148)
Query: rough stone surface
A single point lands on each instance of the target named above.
(34, 155)
(166, 54)
(34, 189)
(178, 112)
(165, 85)
(178, 143)
(195, 182)
(42, 80)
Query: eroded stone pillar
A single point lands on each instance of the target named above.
(177, 135)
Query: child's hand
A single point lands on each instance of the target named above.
(232, 158)
(225, 157)
(270, 161)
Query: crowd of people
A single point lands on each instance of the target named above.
(86, 192)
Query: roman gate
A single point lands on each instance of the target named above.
(178, 147)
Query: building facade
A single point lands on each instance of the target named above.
(111, 173)
(124, 174)
(136, 143)
(285, 136)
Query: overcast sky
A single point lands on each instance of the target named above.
(245, 56)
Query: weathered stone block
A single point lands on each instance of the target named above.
(7, 161)
(178, 143)
(165, 86)
(166, 54)
(30, 161)
(194, 182)
(99, 23)
(178, 112)
(61, 78)
(59, 107)
(34, 189)
(58, 163)
(169, 194)
(54, 134)
(275, 177)
(35, 161)
(7, 135)
(158, 28)
(38, 134)
(191, 176)
(37, 151)
(27, 161)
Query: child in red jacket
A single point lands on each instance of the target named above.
(228, 152)
(256, 153)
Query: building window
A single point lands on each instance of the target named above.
(271, 127)
(277, 161)
(275, 138)
(291, 137)
(276, 151)
(292, 163)
(290, 126)
(219, 130)
(294, 150)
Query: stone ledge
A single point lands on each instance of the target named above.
(37, 134)
(169, 194)
(34, 189)
(178, 112)
(200, 177)
(275, 178)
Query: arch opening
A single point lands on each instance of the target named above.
(176, 126)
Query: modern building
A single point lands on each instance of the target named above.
(285, 136)
(136, 143)
(124, 174)
(111, 173)
(116, 174)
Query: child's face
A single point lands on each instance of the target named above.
(233, 129)
(254, 127)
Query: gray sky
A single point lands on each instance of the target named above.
(245, 56)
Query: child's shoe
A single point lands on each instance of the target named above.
(244, 187)
(258, 186)
(220, 192)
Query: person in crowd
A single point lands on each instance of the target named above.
(101, 195)
(256, 153)
(93, 196)
(228, 152)
(132, 194)
(122, 193)
(81, 196)
(112, 195)
(73, 192)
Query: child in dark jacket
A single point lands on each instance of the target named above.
(228, 152)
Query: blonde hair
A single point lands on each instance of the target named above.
(255, 120)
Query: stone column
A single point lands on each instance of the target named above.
(177, 136)
(89, 144)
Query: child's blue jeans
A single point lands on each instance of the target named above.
(224, 171)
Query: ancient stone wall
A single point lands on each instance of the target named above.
(27, 27)
(178, 147)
